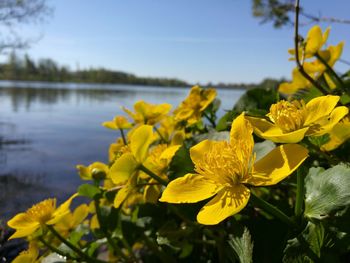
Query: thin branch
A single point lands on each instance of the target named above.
(296, 47)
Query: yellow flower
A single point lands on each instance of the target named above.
(119, 122)
(71, 220)
(123, 170)
(191, 108)
(224, 168)
(289, 122)
(330, 56)
(96, 170)
(127, 164)
(338, 135)
(313, 42)
(28, 256)
(298, 82)
(43, 213)
(146, 113)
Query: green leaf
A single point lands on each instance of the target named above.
(307, 247)
(319, 140)
(213, 135)
(225, 121)
(243, 246)
(326, 190)
(263, 148)
(181, 163)
(88, 190)
(256, 101)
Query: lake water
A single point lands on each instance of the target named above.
(46, 129)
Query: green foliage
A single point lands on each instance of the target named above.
(88, 190)
(243, 246)
(48, 70)
(181, 163)
(256, 101)
(326, 191)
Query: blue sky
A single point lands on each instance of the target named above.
(194, 40)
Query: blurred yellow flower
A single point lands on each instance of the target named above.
(190, 110)
(298, 82)
(338, 135)
(96, 170)
(147, 113)
(123, 170)
(119, 122)
(43, 213)
(313, 43)
(224, 168)
(28, 256)
(71, 220)
(289, 122)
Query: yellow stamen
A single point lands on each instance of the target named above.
(288, 116)
(42, 211)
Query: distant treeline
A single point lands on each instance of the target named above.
(25, 68)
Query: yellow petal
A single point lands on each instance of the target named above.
(80, 213)
(320, 107)
(151, 193)
(169, 153)
(339, 134)
(229, 201)
(269, 131)
(84, 172)
(190, 188)
(123, 168)
(278, 164)
(61, 211)
(198, 151)
(327, 123)
(94, 224)
(335, 52)
(140, 141)
(109, 125)
(314, 40)
(123, 194)
(23, 224)
(241, 137)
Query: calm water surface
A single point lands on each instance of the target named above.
(47, 129)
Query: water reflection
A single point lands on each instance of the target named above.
(47, 129)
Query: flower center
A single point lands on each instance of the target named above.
(42, 211)
(222, 164)
(288, 116)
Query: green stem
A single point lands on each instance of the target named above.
(272, 210)
(110, 241)
(296, 49)
(330, 69)
(56, 250)
(72, 247)
(212, 122)
(123, 136)
(160, 135)
(153, 175)
(300, 191)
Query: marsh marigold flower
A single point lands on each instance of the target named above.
(96, 170)
(311, 48)
(290, 122)
(147, 113)
(28, 256)
(338, 135)
(197, 101)
(118, 122)
(224, 169)
(123, 170)
(43, 213)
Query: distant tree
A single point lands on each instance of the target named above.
(14, 13)
(280, 12)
